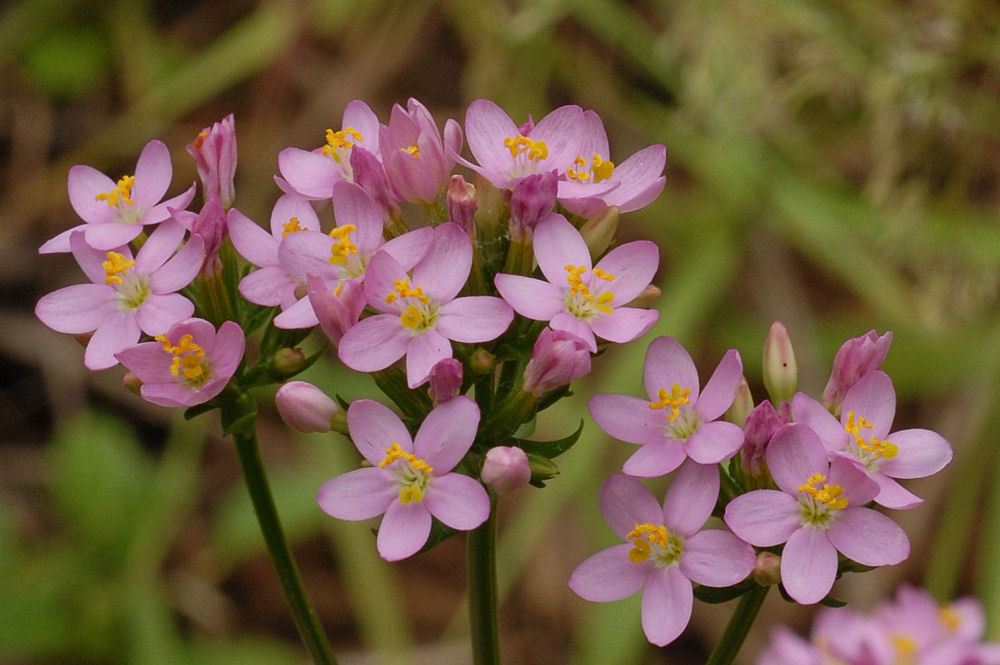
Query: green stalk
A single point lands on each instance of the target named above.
(739, 625)
(305, 617)
(481, 546)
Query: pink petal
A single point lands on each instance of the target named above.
(633, 265)
(160, 246)
(627, 418)
(60, 243)
(311, 174)
(297, 316)
(874, 399)
(447, 433)
(270, 286)
(84, 184)
(380, 277)
(858, 487)
(111, 235)
(691, 497)
(568, 323)
(720, 391)
(443, 270)
(667, 600)
(626, 502)
(358, 494)
(252, 242)
(458, 501)
(625, 324)
(403, 531)
(558, 244)
(809, 412)
(422, 353)
(531, 298)
(374, 427)
(153, 173)
(158, 312)
(640, 177)
(716, 558)
(166, 209)
(351, 205)
(667, 363)
(148, 361)
(609, 575)
(410, 247)
(374, 343)
(869, 537)
(714, 442)
(794, 454)
(289, 206)
(474, 318)
(808, 565)
(227, 353)
(76, 309)
(893, 495)
(171, 395)
(655, 459)
(118, 330)
(763, 517)
(486, 126)
(921, 453)
(180, 270)
(561, 130)
(306, 253)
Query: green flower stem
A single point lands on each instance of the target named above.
(305, 617)
(739, 625)
(481, 546)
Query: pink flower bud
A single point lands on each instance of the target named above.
(558, 359)
(370, 176)
(780, 370)
(506, 468)
(462, 203)
(855, 358)
(445, 381)
(767, 569)
(214, 152)
(760, 426)
(305, 408)
(534, 197)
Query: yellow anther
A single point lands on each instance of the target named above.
(340, 140)
(578, 173)
(342, 246)
(882, 448)
(411, 318)
(187, 357)
(643, 537)
(905, 646)
(950, 618)
(603, 275)
(336, 291)
(200, 139)
(676, 398)
(404, 290)
(413, 150)
(122, 193)
(602, 302)
(830, 495)
(519, 144)
(395, 452)
(410, 494)
(291, 226)
(116, 263)
(600, 169)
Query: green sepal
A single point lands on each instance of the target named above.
(830, 601)
(439, 533)
(542, 469)
(198, 409)
(714, 595)
(550, 449)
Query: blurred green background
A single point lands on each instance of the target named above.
(833, 164)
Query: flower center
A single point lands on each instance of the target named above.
(819, 503)
(339, 143)
(676, 398)
(291, 226)
(580, 302)
(870, 450)
(116, 264)
(950, 619)
(413, 150)
(522, 145)
(120, 195)
(342, 246)
(412, 473)
(599, 169)
(905, 647)
(653, 540)
(188, 362)
(419, 312)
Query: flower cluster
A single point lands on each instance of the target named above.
(913, 628)
(804, 485)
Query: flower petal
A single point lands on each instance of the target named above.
(374, 343)
(358, 494)
(118, 330)
(667, 600)
(158, 312)
(609, 575)
(633, 265)
(763, 517)
(921, 453)
(625, 324)
(716, 558)
(374, 427)
(869, 537)
(714, 442)
(252, 242)
(403, 531)
(531, 298)
(422, 353)
(893, 495)
(558, 244)
(793, 455)
(153, 172)
(720, 391)
(474, 318)
(807, 411)
(76, 309)
(627, 418)
(874, 399)
(84, 184)
(808, 565)
(626, 502)
(667, 363)
(445, 268)
(655, 459)
(458, 501)
(447, 433)
(691, 497)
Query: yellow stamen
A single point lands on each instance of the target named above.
(410, 494)
(116, 263)
(676, 398)
(600, 169)
(187, 357)
(411, 318)
(905, 646)
(413, 150)
(122, 193)
(395, 452)
(881, 447)
(342, 245)
(603, 275)
(829, 494)
(536, 150)
(403, 290)
(340, 140)
(200, 140)
(643, 536)
(291, 226)
(950, 618)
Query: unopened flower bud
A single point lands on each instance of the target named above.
(506, 468)
(287, 361)
(132, 382)
(462, 203)
(557, 359)
(214, 152)
(599, 230)
(533, 198)
(445, 380)
(855, 358)
(767, 570)
(482, 362)
(742, 405)
(305, 408)
(780, 370)
(760, 426)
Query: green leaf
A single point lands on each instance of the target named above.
(723, 594)
(550, 449)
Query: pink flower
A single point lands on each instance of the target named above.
(677, 421)
(817, 513)
(862, 437)
(214, 153)
(115, 213)
(304, 407)
(580, 299)
(418, 310)
(855, 358)
(312, 174)
(189, 364)
(127, 296)
(445, 380)
(414, 155)
(506, 468)
(666, 550)
(506, 153)
(409, 480)
(593, 182)
(557, 359)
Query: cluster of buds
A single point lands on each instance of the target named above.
(799, 501)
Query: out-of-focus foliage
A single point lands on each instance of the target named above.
(834, 164)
